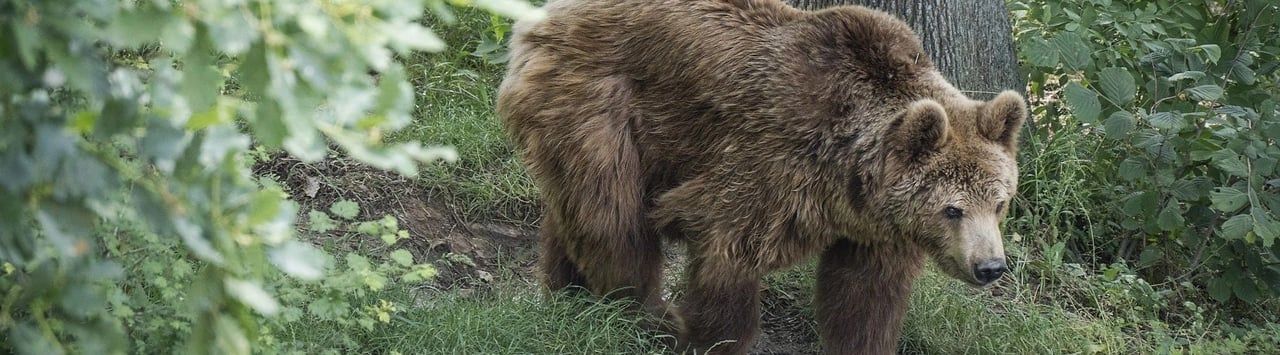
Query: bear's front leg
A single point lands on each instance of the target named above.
(862, 295)
(721, 308)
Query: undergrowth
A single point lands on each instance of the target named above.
(455, 99)
(511, 319)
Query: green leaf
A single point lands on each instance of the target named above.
(81, 176)
(1193, 75)
(1228, 199)
(1118, 85)
(219, 143)
(15, 172)
(1191, 189)
(229, 338)
(1074, 50)
(1141, 203)
(27, 339)
(1264, 226)
(375, 281)
(27, 39)
(178, 35)
(420, 273)
(1118, 125)
(1171, 121)
(1230, 162)
(1246, 290)
(233, 32)
(392, 238)
(1170, 218)
(1150, 256)
(267, 126)
(194, 237)
(1039, 52)
(164, 143)
(368, 228)
(1211, 51)
(1243, 73)
(67, 226)
(265, 206)
(118, 116)
(395, 100)
(219, 113)
(83, 121)
(513, 9)
(250, 293)
(320, 222)
(300, 260)
(81, 68)
(411, 37)
(1207, 92)
(328, 309)
(82, 302)
(1132, 168)
(345, 209)
(200, 82)
(1083, 101)
(133, 28)
(357, 262)
(1237, 227)
(1220, 288)
(402, 257)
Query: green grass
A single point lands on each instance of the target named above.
(455, 99)
(948, 317)
(512, 319)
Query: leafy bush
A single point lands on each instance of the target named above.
(126, 200)
(1178, 105)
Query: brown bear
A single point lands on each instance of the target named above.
(760, 135)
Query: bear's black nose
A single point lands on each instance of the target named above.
(990, 270)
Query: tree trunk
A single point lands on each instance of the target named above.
(970, 41)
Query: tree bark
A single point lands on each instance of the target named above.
(970, 41)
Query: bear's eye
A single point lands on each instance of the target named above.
(953, 212)
(1000, 207)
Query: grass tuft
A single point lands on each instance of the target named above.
(948, 317)
(508, 320)
(455, 93)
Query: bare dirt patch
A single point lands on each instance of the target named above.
(469, 254)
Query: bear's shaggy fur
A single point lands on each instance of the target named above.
(761, 135)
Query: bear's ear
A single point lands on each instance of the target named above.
(922, 131)
(1003, 118)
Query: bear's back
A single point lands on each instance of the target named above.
(688, 80)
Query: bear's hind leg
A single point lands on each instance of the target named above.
(862, 295)
(600, 233)
(721, 307)
(610, 241)
(558, 271)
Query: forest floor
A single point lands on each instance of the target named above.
(477, 254)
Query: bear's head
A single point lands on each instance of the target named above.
(955, 171)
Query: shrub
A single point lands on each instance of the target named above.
(125, 132)
(1177, 103)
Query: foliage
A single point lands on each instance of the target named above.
(149, 302)
(1180, 103)
(125, 129)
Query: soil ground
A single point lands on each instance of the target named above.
(471, 253)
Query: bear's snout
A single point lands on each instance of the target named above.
(989, 271)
